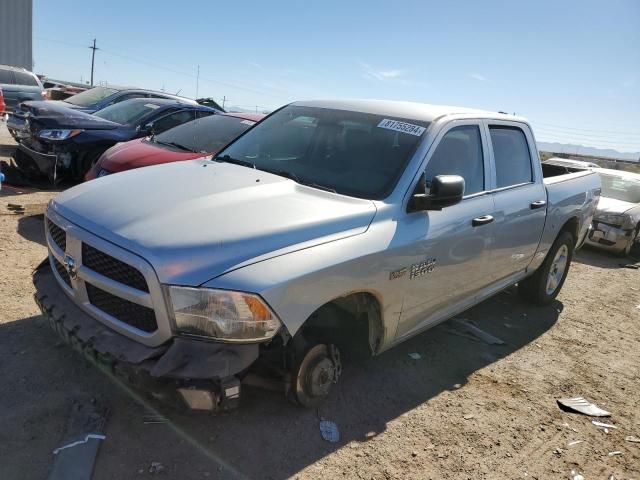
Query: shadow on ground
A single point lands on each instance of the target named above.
(267, 437)
(31, 227)
(603, 259)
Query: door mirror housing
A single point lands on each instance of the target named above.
(446, 190)
(147, 129)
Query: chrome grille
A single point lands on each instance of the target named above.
(137, 316)
(58, 235)
(112, 268)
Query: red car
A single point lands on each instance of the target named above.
(191, 140)
(2, 104)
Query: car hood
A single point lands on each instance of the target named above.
(141, 153)
(54, 114)
(611, 205)
(196, 220)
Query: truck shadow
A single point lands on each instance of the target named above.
(267, 437)
(31, 227)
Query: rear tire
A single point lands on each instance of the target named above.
(543, 286)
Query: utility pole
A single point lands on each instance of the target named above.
(224, 100)
(93, 58)
(197, 81)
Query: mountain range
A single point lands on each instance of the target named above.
(556, 147)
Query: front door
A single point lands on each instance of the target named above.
(447, 252)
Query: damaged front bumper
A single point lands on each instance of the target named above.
(609, 237)
(204, 373)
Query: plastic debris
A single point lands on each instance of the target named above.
(632, 439)
(576, 476)
(615, 454)
(580, 405)
(80, 442)
(575, 442)
(602, 425)
(415, 356)
(156, 467)
(329, 431)
(467, 329)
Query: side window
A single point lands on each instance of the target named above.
(203, 113)
(6, 77)
(459, 153)
(173, 120)
(511, 154)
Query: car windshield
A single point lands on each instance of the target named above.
(128, 112)
(89, 97)
(351, 153)
(619, 188)
(207, 134)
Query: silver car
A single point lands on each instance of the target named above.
(616, 223)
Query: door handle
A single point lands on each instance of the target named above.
(483, 220)
(537, 204)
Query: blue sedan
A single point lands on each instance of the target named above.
(63, 143)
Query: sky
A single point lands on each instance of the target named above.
(571, 67)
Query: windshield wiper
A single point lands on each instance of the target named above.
(174, 144)
(319, 187)
(236, 161)
(284, 173)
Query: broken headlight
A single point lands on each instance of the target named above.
(612, 219)
(222, 314)
(58, 134)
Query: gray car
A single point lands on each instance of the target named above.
(19, 85)
(329, 227)
(616, 223)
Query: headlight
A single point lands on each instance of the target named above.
(221, 314)
(612, 218)
(58, 134)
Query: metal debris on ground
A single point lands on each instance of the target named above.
(155, 467)
(467, 329)
(602, 425)
(632, 266)
(329, 431)
(153, 419)
(615, 454)
(632, 439)
(580, 405)
(415, 356)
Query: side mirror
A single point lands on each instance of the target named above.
(446, 190)
(147, 129)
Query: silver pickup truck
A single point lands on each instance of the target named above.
(329, 227)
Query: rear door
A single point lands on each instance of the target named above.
(448, 252)
(519, 197)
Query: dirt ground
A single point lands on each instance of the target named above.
(464, 410)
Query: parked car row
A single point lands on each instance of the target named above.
(19, 85)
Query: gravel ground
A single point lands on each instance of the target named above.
(464, 410)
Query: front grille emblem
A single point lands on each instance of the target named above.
(70, 266)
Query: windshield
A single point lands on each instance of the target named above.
(207, 134)
(624, 189)
(89, 97)
(352, 153)
(127, 113)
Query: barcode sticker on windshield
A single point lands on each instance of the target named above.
(403, 127)
(247, 122)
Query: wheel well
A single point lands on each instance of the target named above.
(572, 226)
(353, 322)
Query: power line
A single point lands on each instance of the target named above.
(586, 138)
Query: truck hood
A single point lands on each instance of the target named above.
(196, 220)
(54, 114)
(611, 205)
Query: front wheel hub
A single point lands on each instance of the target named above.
(319, 369)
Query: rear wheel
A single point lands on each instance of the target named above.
(544, 285)
(87, 162)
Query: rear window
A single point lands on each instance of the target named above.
(208, 134)
(511, 154)
(23, 78)
(91, 97)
